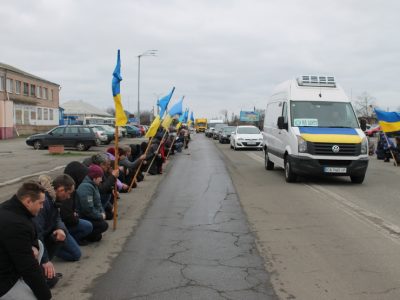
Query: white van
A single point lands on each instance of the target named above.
(310, 128)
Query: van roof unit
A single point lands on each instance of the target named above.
(312, 80)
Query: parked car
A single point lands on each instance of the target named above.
(373, 131)
(81, 137)
(132, 131)
(225, 134)
(101, 137)
(246, 137)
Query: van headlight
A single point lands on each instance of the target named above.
(302, 144)
(364, 146)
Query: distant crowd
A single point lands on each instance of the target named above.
(51, 218)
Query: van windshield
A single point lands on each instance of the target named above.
(322, 114)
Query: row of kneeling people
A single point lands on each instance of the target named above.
(55, 217)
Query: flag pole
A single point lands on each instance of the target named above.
(170, 148)
(140, 165)
(391, 152)
(156, 153)
(115, 215)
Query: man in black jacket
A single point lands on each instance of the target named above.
(21, 276)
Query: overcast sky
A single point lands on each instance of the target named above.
(220, 54)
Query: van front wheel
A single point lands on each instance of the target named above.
(289, 175)
(269, 165)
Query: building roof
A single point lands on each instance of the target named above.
(79, 107)
(16, 70)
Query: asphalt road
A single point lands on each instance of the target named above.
(323, 238)
(194, 241)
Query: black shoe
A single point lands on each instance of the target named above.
(83, 242)
(51, 282)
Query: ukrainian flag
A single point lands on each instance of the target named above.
(388, 120)
(330, 135)
(163, 102)
(153, 127)
(120, 116)
(175, 110)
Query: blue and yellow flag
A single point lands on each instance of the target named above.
(191, 119)
(175, 110)
(180, 120)
(388, 120)
(120, 116)
(163, 102)
(153, 127)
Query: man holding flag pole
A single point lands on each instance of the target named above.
(152, 131)
(120, 120)
(390, 123)
(174, 111)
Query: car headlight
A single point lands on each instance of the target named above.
(240, 139)
(364, 146)
(302, 144)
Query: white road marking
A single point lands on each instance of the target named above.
(30, 175)
(374, 221)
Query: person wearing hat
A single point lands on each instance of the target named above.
(89, 202)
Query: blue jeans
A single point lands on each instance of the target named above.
(70, 251)
(81, 230)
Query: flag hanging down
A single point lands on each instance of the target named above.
(180, 120)
(191, 119)
(388, 120)
(153, 127)
(120, 116)
(163, 102)
(175, 110)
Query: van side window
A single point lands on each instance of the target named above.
(284, 112)
(272, 113)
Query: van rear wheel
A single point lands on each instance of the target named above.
(269, 165)
(289, 175)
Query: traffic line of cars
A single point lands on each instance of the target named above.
(239, 137)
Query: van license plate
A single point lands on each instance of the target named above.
(335, 170)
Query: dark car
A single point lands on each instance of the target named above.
(132, 131)
(80, 137)
(225, 134)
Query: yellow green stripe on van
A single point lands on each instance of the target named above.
(330, 135)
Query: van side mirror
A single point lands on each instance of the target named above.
(363, 124)
(281, 123)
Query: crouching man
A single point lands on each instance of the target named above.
(21, 276)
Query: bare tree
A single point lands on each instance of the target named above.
(364, 105)
(224, 112)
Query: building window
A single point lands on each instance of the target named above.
(1, 83)
(45, 114)
(26, 115)
(26, 89)
(17, 87)
(44, 93)
(33, 90)
(38, 92)
(39, 113)
(51, 95)
(51, 114)
(18, 116)
(9, 85)
(33, 114)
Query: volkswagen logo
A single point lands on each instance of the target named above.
(335, 148)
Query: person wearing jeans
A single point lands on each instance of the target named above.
(71, 251)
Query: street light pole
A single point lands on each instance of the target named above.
(146, 53)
